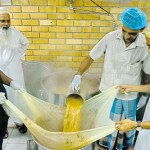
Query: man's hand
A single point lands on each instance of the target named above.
(126, 125)
(76, 83)
(132, 88)
(16, 86)
(122, 90)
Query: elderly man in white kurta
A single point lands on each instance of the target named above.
(126, 55)
(13, 45)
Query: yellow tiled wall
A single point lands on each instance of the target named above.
(61, 35)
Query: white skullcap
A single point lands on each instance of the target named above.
(4, 10)
(147, 31)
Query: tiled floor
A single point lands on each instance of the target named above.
(15, 140)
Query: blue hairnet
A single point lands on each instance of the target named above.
(133, 18)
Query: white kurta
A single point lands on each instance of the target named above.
(13, 45)
(143, 139)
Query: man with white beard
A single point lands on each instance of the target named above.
(13, 45)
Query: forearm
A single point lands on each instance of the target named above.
(145, 125)
(136, 88)
(145, 88)
(85, 65)
(5, 79)
(141, 88)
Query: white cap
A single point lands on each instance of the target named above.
(147, 31)
(4, 10)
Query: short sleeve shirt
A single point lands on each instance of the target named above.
(122, 65)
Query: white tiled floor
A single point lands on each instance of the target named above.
(16, 140)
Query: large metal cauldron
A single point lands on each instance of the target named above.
(40, 147)
(58, 86)
(42, 82)
(34, 72)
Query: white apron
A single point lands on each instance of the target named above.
(143, 139)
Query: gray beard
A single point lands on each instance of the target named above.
(6, 39)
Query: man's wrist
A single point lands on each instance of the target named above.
(138, 128)
(78, 73)
(138, 123)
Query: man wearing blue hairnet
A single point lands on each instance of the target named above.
(126, 56)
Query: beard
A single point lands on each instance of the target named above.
(129, 40)
(5, 28)
(8, 46)
(7, 40)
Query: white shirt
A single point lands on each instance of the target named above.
(12, 44)
(143, 139)
(121, 65)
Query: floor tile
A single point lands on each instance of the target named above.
(15, 147)
(16, 140)
(17, 137)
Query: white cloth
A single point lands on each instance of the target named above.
(121, 65)
(4, 10)
(16, 86)
(2, 98)
(143, 139)
(13, 45)
(142, 102)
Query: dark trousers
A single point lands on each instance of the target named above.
(3, 121)
(1, 142)
(3, 118)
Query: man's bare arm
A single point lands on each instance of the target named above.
(135, 88)
(85, 65)
(5, 79)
